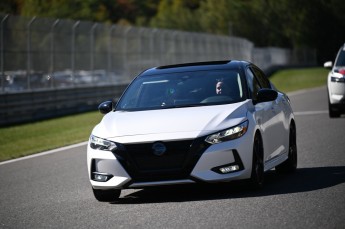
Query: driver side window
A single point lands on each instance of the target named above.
(253, 84)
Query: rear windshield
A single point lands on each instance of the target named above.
(198, 88)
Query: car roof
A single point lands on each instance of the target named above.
(196, 66)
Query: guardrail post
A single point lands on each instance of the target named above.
(2, 41)
(73, 52)
(140, 55)
(174, 59)
(28, 66)
(152, 45)
(52, 52)
(92, 50)
(162, 47)
(110, 49)
(125, 53)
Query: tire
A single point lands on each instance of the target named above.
(333, 113)
(290, 165)
(106, 195)
(257, 176)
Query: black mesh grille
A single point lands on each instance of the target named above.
(176, 163)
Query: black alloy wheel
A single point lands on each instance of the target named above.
(332, 111)
(290, 164)
(257, 176)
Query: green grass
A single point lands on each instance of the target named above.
(297, 79)
(22, 140)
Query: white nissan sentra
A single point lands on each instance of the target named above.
(336, 84)
(199, 122)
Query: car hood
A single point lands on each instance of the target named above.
(169, 124)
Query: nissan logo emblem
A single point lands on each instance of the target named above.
(159, 149)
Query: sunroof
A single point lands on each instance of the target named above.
(194, 64)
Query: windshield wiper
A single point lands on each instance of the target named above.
(162, 107)
(182, 105)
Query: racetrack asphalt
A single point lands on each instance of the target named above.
(52, 190)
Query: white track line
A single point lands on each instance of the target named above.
(298, 113)
(44, 153)
(305, 91)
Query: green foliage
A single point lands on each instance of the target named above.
(112, 11)
(216, 18)
(283, 23)
(317, 24)
(77, 9)
(175, 14)
(8, 7)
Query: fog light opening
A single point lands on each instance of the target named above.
(101, 177)
(229, 169)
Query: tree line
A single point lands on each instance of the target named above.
(316, 24)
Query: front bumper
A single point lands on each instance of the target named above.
(336, 90)
(201, 166)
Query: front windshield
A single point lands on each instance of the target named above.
(341, 58)
(198, 88)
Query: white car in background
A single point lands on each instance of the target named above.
(336, 84)
(192, 123)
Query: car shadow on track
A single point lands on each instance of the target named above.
(303, 180)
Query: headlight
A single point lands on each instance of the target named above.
(338, 79)
(229, 134)
(101, 144)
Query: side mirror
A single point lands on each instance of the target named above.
(265, 95)
(328, 64)
(105, 107)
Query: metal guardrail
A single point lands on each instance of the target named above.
(28, 106)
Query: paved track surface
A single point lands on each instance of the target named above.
(52, 191)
